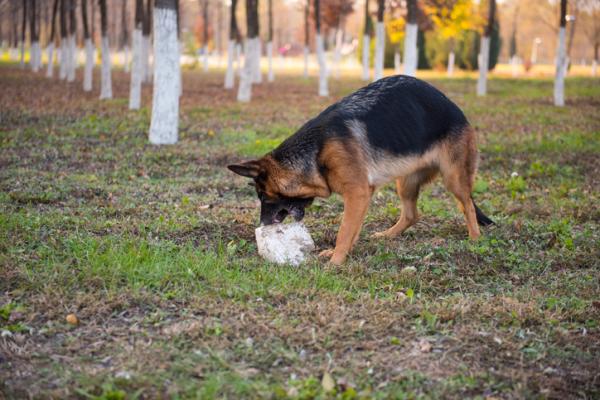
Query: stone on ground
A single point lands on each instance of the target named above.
(284, 243)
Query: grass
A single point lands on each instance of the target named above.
(152, 248)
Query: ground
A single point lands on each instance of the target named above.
(152, 249)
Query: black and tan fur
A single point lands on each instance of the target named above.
(398, 128)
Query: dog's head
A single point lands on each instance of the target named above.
(281, 190)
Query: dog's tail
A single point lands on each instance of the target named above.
(482, 219)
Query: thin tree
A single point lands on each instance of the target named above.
(50, 47)
(105, 77)
(379, 40)
(306, 36)
(256, 72)
(72, 63)
(165, 98)
(592, 32)
(124, 42)
(23, 31)
(231, 46)
(146, 31)
(271, 75)
(366, 50)
(252, 52)
(559, 78)
(135, 88)
(63, 57)
(484, 53)
(204, 5)
(410, 39)
(15, 30)
(34, 38)
(323, 87)
(89, 48)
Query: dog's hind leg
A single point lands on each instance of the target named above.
(458, 166)
(408, 188)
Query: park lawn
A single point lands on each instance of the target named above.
(152, 248)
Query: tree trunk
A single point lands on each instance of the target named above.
(252, 52)
(397, 62)
(50, 47)
(23, 30)
(410, 40)
(231, 46)
(135, 88)
(379, 40)
(204, 7)
(34, 38)
(271, 74)
(366, 49)
(306, 37)
(105, 78)
(450, 70)
(595, 61)
(559, 79)
(89, 49)
(62, 73)
(164, 125)
(125, 36)
(323, 84)
(484, 53)
(72, 63)
(146, 31)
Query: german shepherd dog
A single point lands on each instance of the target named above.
(397, 128)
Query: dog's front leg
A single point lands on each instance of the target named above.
(356, 203)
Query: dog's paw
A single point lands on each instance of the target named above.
(384, 234)
(326, 253)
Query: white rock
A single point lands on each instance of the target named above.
(284, 243)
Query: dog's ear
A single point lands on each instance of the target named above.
(250, 169)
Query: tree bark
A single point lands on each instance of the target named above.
(23, 31)
(306, 37)
(252, 52)
(63, 56)
(233, 39)
(34, 38)
(105, 78)
(323, 84)
(379, 40)
(72, 51)
(559, 78)
(146, 31)
(50, 47)
(89, 49)
(410, 39)
(366, 49)
(484, 53)
(164, 125)
(135, 88)
(271, 75)
(204, 6)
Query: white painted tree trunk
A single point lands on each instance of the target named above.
(257, 73)
(594, 68)
(89, 65)
(50, 68)
(323, 85)
(230, 73)
(179, 72)
(379, 50)
(450, 70)
(105, 81)
(72, 59)
(271, 74)
(245, 87)
(397, 63)
(126, 58)
(410, 50)
(135, 86)
(366, 52)
(306, 54)
(146, 59)
(14, 54)
(35, 48)
(164, 125)
(484, 58)
(514, 66)
(62, 57)
(238, 59)
(561, 66)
